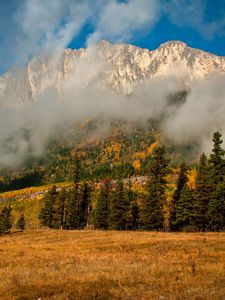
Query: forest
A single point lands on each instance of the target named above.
(113, 203)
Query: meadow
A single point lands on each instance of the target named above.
(56, 264)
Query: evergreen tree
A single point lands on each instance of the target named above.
(74, 210)
(151, 214)
(59, 210)
(217, 169)
(21, 222)
(47, 211)
(203, 194)
(184, 210)
(119, 208)
(101, 214)
(216, 212)
(134, 214)
(74, 206)
(85, 202)
(5, 219)
(181, 181)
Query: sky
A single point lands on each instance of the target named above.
(30, 27)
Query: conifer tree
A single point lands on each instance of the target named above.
(184, 210)
(59, 210)
(5, 219)
(216, 217)
(151, 214)
(216, 213)
(21, 222)
(134, 213)
(181, 181)
(74, 209)
(216, 161)
(47, 212)
(119, 208)
(203, 194)
(101, 214)
(85, 202)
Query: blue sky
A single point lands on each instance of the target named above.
(30, 27)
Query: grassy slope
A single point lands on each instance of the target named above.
(48, 264)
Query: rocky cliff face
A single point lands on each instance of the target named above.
(127, 66)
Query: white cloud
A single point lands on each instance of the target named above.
(119, 21)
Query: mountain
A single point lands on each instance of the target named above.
(127, 65)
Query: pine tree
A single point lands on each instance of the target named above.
(74, 206)
(21, 222)
(59, 210)
(74, 210)
(85, 202)
(181, 181)
(216, 212)
(5, 219)
(101, 214)
(47, 212)
(119, 208)
(184, 210)
(151, 214)
(216, 161)
(134, 213)
(203, 194)
(216, 217)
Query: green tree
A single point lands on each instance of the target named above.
(203, 194)
(59, 210)
(216, 212)
(151, 213)
(119, 208)
(21, 222)
(181, 181)
(217, 169)
(85, 204)
(47, 211)
(101, 214)
(184, 210)
(5, 219)
(74, 210)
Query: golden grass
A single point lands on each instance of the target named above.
(55, 264)
(30, 190)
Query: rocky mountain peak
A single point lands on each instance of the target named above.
(129, 65)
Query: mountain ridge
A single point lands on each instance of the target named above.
(127, 65)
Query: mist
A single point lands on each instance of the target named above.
(27, 129)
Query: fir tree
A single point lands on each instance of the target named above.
(203, 194)
(101, 214)
(85, 202)
(151, 214)
(5, 219)
(216, 161)
(216, 212)
(47, 212)
(59, 210)
(184, 210)
(119, 208)
(74, 206)
(217, 167)
(21, 222)
(74, 210)
(134, 214)
(181, 181)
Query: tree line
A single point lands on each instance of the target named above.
(117, 207)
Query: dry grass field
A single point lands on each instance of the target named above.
(50, 264)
